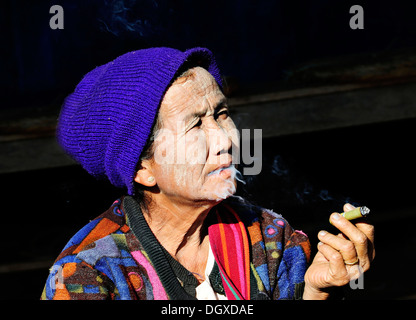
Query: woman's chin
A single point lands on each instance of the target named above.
(223, 190)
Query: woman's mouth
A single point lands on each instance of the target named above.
(227, 176)
(224, 172)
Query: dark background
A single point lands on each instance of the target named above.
(261, 47)
(255, 42)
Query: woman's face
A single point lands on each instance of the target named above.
(193, 150)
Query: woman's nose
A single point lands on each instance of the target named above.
(219, 140)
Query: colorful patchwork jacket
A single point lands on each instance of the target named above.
(116, 256)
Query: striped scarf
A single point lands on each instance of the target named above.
(229, 241)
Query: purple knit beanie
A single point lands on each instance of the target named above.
(105, 123)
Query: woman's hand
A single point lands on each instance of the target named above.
(340, 258)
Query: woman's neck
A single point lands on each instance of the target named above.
(180, 228)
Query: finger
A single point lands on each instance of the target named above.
(342, 236)
(368, 229)
(344, 246)
(354, 234)
(364, 225)
(337, 269)
(348, 207)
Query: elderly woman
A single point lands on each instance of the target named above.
(156, 123)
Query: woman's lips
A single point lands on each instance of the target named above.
(224, 172)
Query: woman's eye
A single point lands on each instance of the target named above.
(223, 114)
(197, 124)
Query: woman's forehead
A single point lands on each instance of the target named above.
(198, 93)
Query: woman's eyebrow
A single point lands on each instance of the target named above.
(198, 114)
(223, 103)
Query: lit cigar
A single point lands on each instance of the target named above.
(356, 213)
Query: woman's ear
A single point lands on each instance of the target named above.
(144, 175)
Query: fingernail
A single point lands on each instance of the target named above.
(322, 233)
(335, 216)
(320, 243)
(349, 206)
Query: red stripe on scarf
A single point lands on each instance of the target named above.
(229, 243)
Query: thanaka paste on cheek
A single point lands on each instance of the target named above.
(190, 154)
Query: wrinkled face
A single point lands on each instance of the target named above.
(193, 150)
